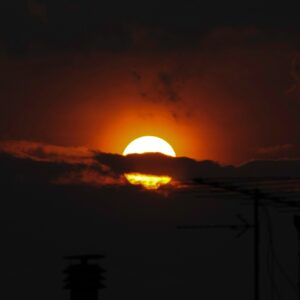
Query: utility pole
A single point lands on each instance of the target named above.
(297, 225)
(256, 244)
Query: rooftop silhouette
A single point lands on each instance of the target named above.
(84, 278)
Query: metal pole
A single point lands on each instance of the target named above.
(297, 225)
(256, 246)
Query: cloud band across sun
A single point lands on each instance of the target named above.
(23, 165)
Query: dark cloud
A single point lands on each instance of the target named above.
(275, 149)
(104, 169)
(136, 76)
(36, 163)
(295, 74)
(47, 153)
(163, 86)
(168, 86)
(284, 151)
(186, 169)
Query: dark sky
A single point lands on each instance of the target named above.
(81, 79)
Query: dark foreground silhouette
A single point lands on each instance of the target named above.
(84, 278)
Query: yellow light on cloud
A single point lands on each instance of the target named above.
(150, 182)
(148, 144)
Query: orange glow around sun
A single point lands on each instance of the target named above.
(148, 144)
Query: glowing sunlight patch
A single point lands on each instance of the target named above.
(150, 182)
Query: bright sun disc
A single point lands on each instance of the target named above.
(148, 144)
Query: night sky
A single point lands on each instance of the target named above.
(79, 80)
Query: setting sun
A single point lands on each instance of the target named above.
(148, 144)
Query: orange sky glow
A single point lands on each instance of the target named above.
(200, 103)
